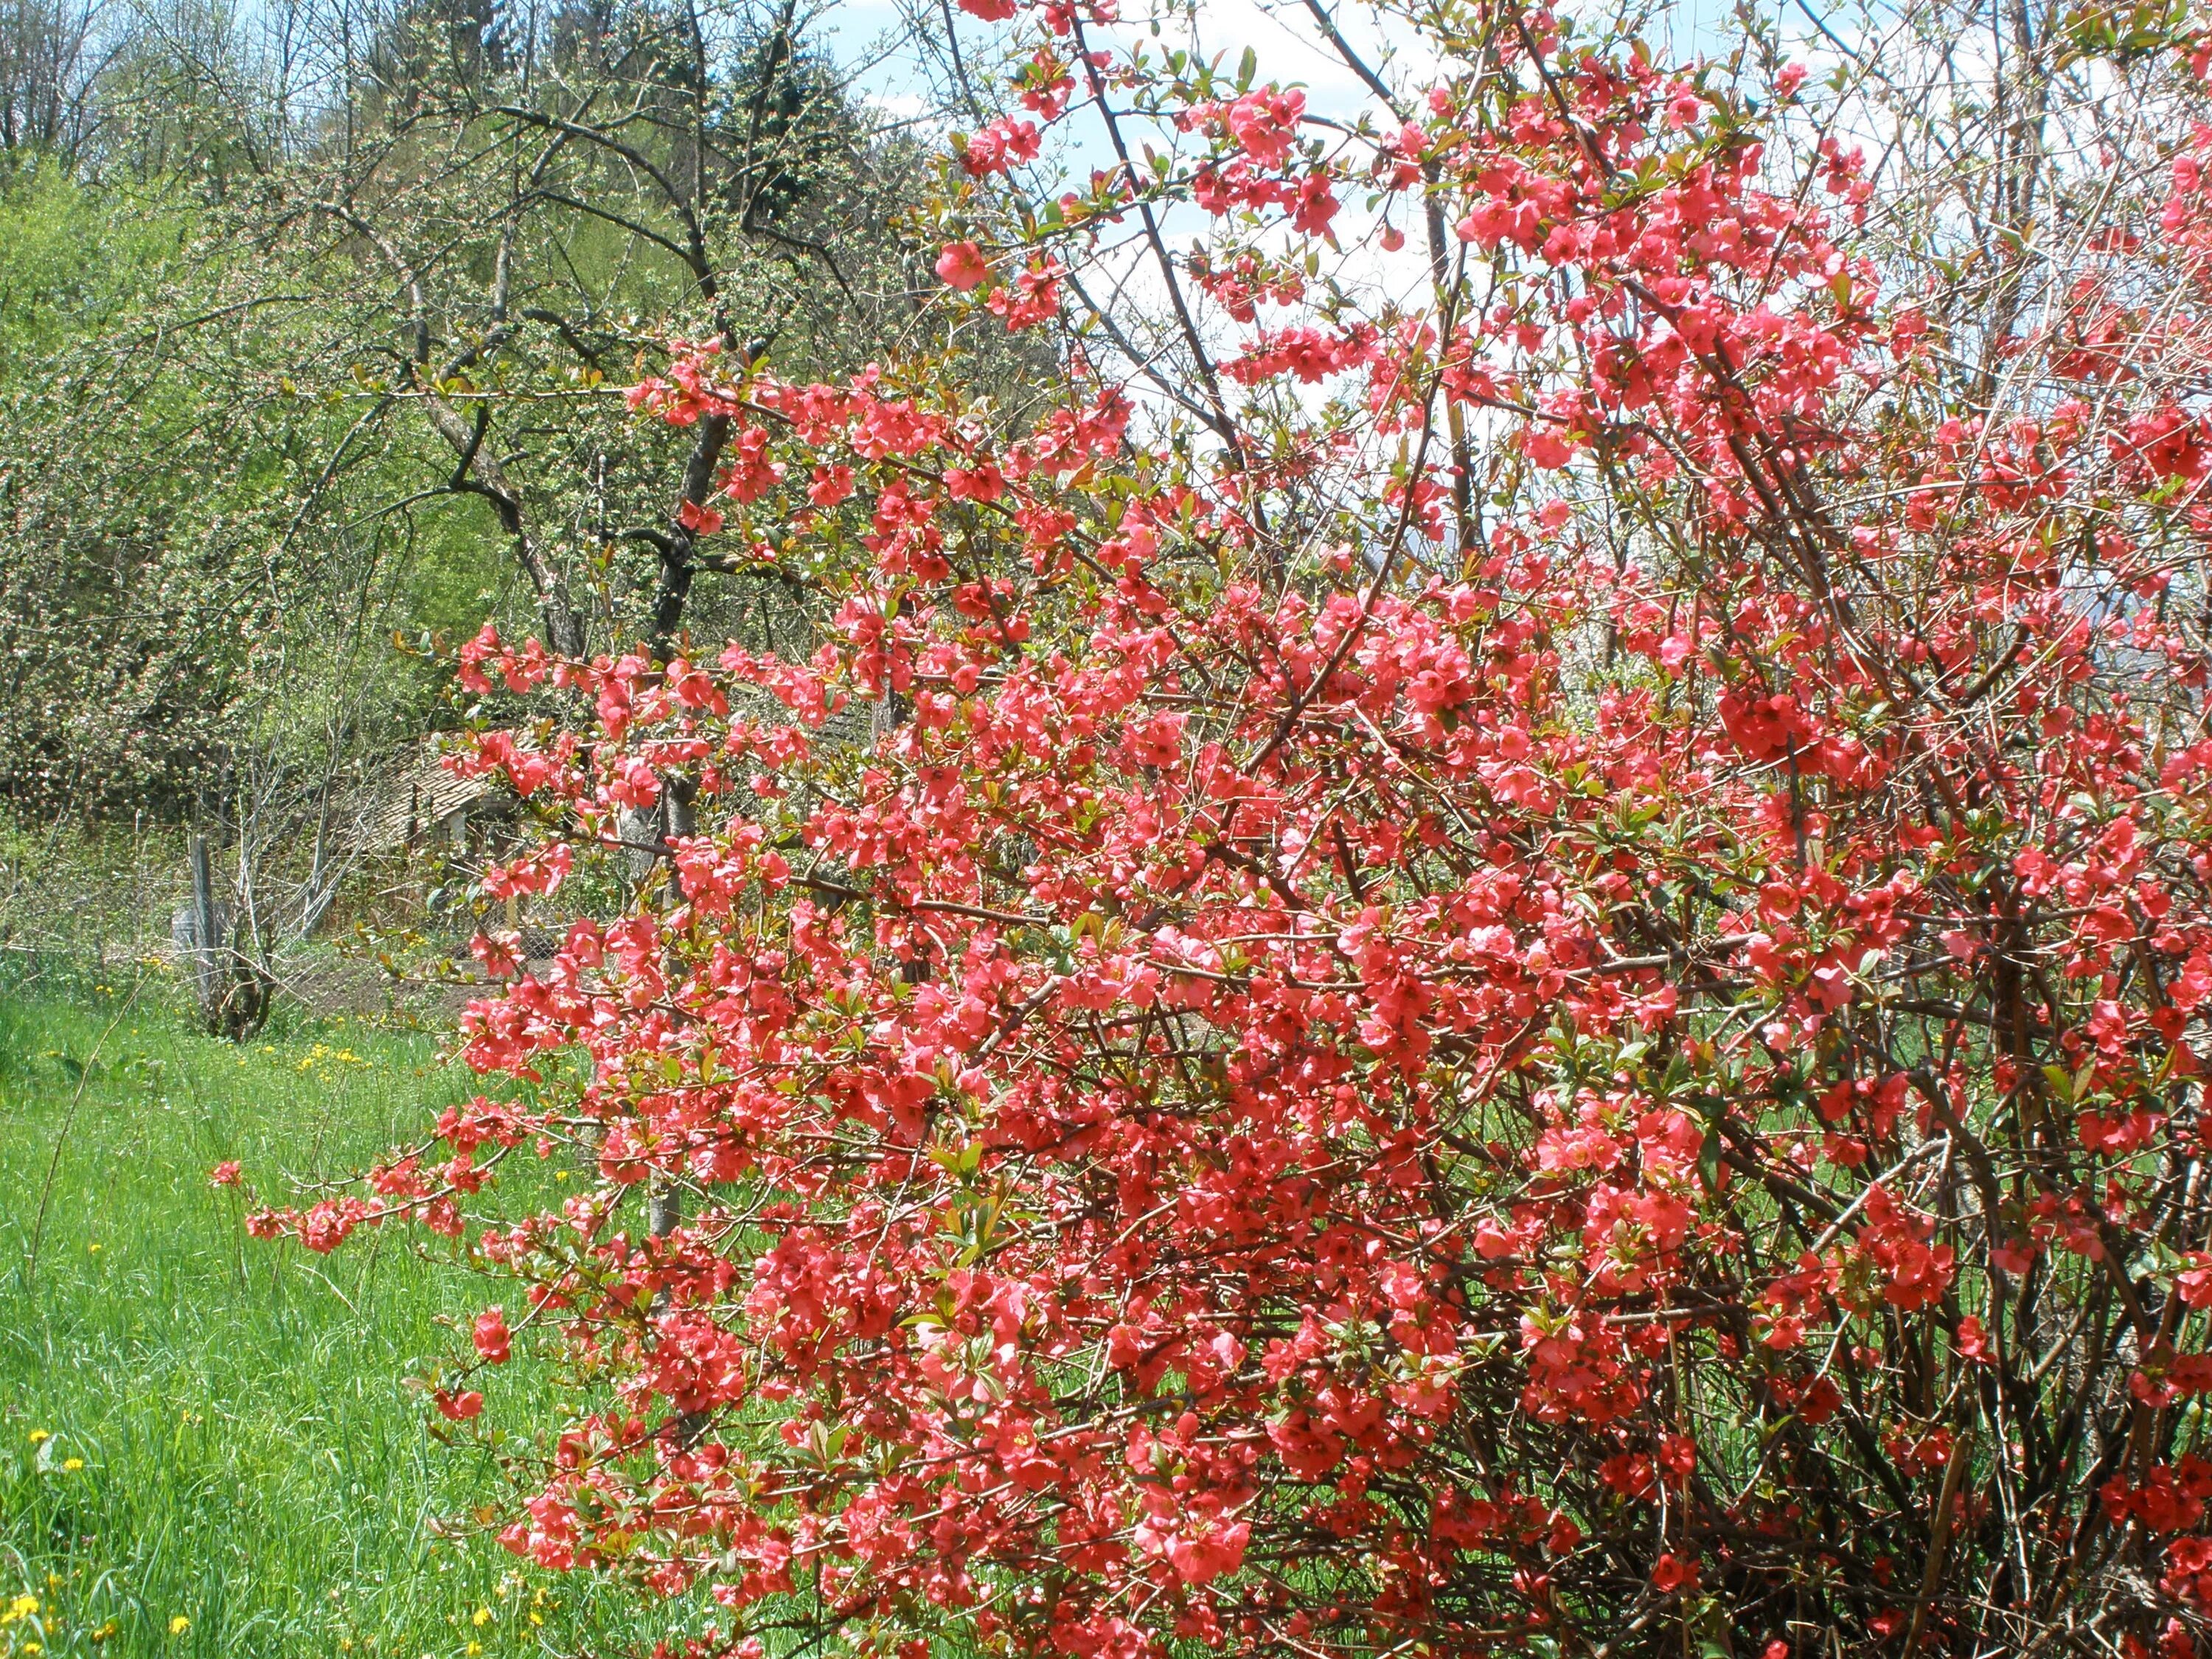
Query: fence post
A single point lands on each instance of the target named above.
(207, 973)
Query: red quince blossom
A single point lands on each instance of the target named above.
(1265, 123)
(998, 147)
(458, 1407)
(491, 1336)
(962, 265)
(700, 520)
(1670, 1573)
(1485, 970)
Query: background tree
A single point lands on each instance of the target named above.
(343, 362)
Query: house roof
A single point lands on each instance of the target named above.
(415, 796)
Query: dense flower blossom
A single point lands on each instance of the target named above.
(1274, 1047)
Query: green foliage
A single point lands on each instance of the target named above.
(279, 385)
(154, 458)
(73, 261)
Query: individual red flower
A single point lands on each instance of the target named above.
(459, 1408)
(698, 520)
(1671, 1573)
(492, 1336)
(962, 266)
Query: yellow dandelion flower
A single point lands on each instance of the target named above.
(40, 1437)
(480, 1617)
(179, 1625)
(72, 1465)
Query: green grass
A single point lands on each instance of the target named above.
(195, 1426)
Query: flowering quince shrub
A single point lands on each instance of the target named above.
(1527, 974)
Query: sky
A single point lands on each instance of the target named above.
(854, 29)
(865, 36)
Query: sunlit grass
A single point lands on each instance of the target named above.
(207, 1446)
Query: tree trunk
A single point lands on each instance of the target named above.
(233, 991)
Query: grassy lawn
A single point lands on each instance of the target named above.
(197, 1428)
